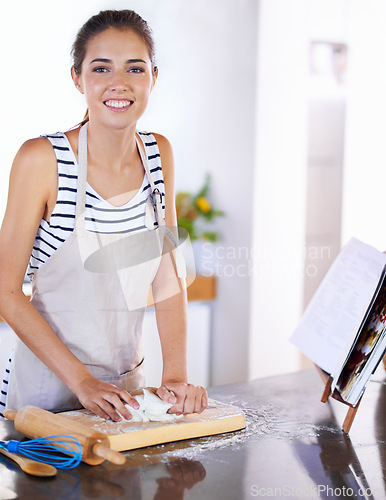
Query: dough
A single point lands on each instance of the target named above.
(152, 408)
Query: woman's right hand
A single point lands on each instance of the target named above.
(104, 399)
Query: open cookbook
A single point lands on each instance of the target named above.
(343, 329)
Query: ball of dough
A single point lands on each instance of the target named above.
(151, 407)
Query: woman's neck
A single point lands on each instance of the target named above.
(114, 149)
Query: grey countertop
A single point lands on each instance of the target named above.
(292, 447)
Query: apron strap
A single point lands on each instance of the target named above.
(82, 177)
(156, 193)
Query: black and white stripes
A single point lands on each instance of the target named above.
(100, 216)
(4, 386)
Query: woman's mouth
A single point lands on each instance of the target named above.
(118, 104)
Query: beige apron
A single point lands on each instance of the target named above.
(93, 292)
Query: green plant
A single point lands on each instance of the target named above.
(193, 209)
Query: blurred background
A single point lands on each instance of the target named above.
(283, 102)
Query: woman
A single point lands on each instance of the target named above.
(100, 198)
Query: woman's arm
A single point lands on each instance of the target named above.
(171, 311)
(32, 194)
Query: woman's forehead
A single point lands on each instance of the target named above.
(117, 43)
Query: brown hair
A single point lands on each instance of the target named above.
(119, 19)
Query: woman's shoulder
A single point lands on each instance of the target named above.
(36, 152)
(36, 145)
(165, 150)
(36, 161)
(162, 141)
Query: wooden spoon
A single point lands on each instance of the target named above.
(30, 466)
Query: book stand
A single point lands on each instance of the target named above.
(327, 392)
(327, 379)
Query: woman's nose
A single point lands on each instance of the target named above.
(119, 82)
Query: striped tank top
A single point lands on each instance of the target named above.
(100, 215)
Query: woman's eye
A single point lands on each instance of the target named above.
(100, 70)
(136, 70)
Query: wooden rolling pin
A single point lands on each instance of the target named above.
(35, 423)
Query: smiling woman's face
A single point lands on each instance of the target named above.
(116, 77)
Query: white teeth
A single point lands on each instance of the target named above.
(117, 104)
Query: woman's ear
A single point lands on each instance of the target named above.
(76, 79)
(155, 76)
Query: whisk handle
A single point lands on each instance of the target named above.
(108, 454)
(10, 414)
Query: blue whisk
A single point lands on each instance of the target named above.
(63, 452)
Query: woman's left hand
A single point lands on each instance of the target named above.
(186, 398)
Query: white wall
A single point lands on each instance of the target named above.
(279, 188)
(364, 204)
(285, 99)
(360, 24)
(203, 102)
(285, 29)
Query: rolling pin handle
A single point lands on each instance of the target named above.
(108, 454)
(10, 414)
